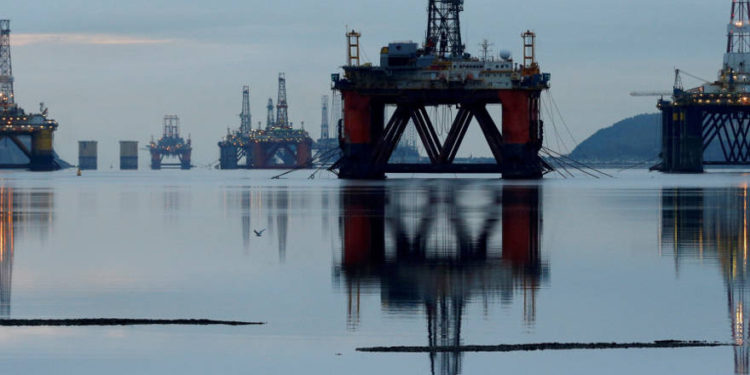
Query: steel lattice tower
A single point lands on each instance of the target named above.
(336, 110)
(269, 116)
(282, 117)
(738, 39)
(444, 28)
(324, 120)
(171, 126)
(246, 122)
(6, 73)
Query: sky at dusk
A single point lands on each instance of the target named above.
(110, 70)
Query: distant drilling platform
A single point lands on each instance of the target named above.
(15, 122)
(716, 114)
(440, 73)
(278, 146)
(171, 145)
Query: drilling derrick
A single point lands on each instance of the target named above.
(326, 145)
(246, 120)
(6, 71)
(444, 28)
(282, 117)
(31, 133)
(324, 119)
(171, 145)
(440, 74)
(278, 146)
(269, 116)
(710, 124)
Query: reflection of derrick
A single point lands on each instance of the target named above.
(19, 210)
(696, 222)
(282, 220)
(6, 249)
(427, 248)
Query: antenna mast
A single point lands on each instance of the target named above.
(246, 122)
(444, 28)
(6, 72)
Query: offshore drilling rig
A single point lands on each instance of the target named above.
(440, 73)
(278, 146)
(715, 115)
(172, 145)
(15, 122)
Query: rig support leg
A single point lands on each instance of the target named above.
(155, 160)
(521, 135)
(304, 154)
(363, 127)
(682, 140)
(185, 160)
(227, 156)
(42, 158)
(259, 158)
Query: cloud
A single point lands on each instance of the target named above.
(73, 38)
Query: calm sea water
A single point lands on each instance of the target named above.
(342, 265)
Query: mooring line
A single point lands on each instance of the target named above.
(663, 344)
(118, 322)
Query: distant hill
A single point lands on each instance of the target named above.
(634, 139)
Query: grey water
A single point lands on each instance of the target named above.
(340, 265)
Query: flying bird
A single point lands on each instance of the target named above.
(258, 234)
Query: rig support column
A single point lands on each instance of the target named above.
(155, 160)
(682, 139)
(227, 156)
(42, 158)
(185, 160)
(304, 154)
(128, 155)
(521, 135)
(363, 125)
(259, 155)
(87, 155)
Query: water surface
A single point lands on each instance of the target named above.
(342, 265)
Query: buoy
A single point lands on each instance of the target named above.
(79, 172)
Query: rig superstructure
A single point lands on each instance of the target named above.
(15, 122)
(715, 114)
(440, 73)
(277, 146)
(172, 145)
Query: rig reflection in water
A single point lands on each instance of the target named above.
(22, 212)
(713, 223)
(428, 249)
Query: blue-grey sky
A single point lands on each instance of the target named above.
(110, 70)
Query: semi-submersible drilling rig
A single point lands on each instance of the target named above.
(171, 145)
(440, 73)
(715, 115)
(16, 123)
(279, 145)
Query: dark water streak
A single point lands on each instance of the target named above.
(664, 344)
(118, 322)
